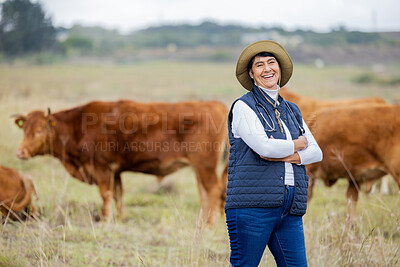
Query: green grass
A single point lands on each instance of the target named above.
(162, 228)
(340, 82)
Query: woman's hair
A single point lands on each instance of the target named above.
(261, 54)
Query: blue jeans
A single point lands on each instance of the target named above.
(251, 229)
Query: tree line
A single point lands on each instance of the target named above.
(25, 29)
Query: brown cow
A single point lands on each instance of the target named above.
(309, 106)
(15, 192)
(98, 141)
(360, 143)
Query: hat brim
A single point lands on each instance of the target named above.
(285, 62)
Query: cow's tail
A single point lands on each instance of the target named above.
(224, 176)
(29, 180)
(29, 187)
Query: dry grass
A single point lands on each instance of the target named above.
(162, 227)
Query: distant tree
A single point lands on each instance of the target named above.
(79, 43)
(24, 28)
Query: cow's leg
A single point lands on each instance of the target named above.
(210, 189)
(106, 195)
(203, 196)
(384, 189)
(311, 183)
(106, 187)
(352, 198)
(160, 185)
(369, 186)
(118, 192)
(224, 179)
(159, 179)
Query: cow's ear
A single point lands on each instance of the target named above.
(19, 121)
(52, 121)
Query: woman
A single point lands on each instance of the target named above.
(270, 144)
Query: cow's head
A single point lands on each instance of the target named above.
(38, 134)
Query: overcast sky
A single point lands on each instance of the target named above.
(319, 15)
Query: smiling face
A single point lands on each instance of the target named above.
(265, 71)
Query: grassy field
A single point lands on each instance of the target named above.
(162, 227)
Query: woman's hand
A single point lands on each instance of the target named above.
(300, 143)
(295, 158)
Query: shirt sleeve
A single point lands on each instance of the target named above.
(312, 153)
(247, 126)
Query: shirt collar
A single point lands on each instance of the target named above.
(271, 93)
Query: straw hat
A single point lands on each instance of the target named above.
(285, 62)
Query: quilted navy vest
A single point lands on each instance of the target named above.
(255, 182)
